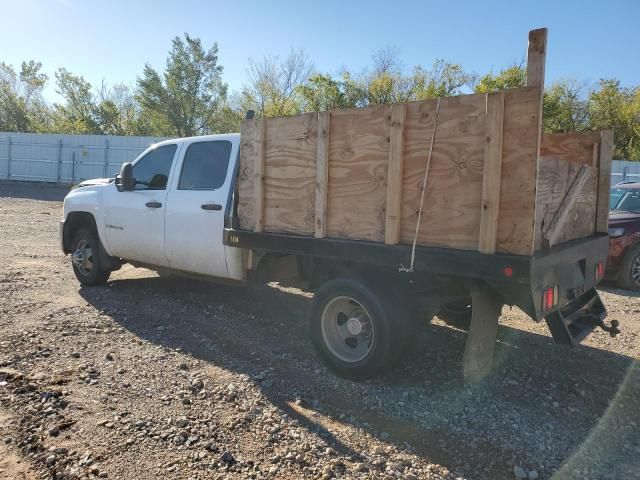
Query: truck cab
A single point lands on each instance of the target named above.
(172, 217)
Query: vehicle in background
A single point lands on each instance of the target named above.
(623, 262)
(617, 193)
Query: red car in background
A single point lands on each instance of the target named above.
(623, 263)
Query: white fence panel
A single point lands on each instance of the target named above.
(625, 171)
(72, 158)
(66, 158)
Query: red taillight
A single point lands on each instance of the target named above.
(508, 272)
(550, 298)
(599, 270)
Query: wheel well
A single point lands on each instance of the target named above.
(75, 221)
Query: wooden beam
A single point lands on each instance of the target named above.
(492, 173)
(536, 56)
(595, 154)
(536, 59)
(322, 174)
(258, 177)
(604, 181)
(552, 231)
(394, 174)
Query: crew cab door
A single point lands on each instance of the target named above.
(196, 208)
(134, 220)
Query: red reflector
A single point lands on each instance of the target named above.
(549, 298)
(508, 272)
(599, 270)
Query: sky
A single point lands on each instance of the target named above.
(113, 39)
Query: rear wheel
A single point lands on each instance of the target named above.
(629, 276)
(86, 258)
(358, 330)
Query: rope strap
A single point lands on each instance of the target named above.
(424, 188)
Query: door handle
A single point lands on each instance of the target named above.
(211, 206)
(153, 204)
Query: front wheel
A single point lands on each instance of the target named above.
(357, 330)
(86, 259)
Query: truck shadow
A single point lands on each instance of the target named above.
(422, 403)
(49, 192)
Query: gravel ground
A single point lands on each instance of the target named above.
(153, 377)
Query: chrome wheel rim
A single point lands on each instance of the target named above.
(635, 270)
(82, 257)
(347, 329)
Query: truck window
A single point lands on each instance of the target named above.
(152, 171)
(205, 165)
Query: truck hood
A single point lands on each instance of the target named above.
(94, 182)
(617, 217)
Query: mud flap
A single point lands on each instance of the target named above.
(486, 307)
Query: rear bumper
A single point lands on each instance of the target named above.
(570, 266)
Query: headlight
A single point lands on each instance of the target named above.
(616, 232)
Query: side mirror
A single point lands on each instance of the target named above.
(125, 181)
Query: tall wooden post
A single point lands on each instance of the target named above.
(536, 59)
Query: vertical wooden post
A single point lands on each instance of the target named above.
(491, 179)
(394, 174)
(536, 57)
(322, 174)
(258, 177)
(596, 154)
(604, 181)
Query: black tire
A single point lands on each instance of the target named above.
(629, 275)
(91, 272)
(456, 313)
(392, 324)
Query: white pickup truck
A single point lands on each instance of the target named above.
(174, 208)
(173, 216)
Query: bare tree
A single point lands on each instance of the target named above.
(272, 83)
(387, 61)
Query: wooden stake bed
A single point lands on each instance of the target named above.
(494, 184)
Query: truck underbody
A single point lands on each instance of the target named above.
(442, 275)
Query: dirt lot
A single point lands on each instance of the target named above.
(153, 377)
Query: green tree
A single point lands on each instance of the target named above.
(185, 100)
(512, 77)
(78, 112)
(617, 107)
(322, 92)
(565, 107)
(118, 112)
(22, 108)
(443, 80)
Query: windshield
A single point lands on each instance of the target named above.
(625, 199)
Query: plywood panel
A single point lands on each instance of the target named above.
(573, 147)
(519, 167)
(554, 181)
(290, 174)
(451, 215)
(358, 159)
